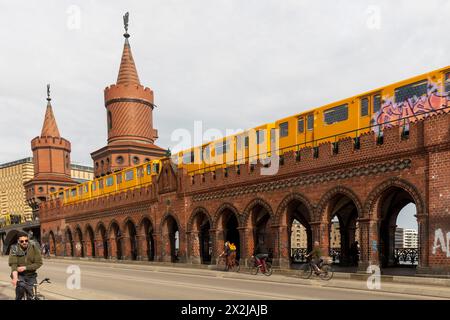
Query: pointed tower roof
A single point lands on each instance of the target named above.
(49, 128)
(127, 71)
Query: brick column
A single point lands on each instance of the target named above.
(88, 249)
(183, 247)
(194, 245)
(218, 243)
(99, 250)
(112, 252)
(423, 241)
(126, 248)
(281, 250)
(242, 245)
(248, 245)
(369, 237)
(158, 246)
(141, 247)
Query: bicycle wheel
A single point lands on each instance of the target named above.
(269, 269)
(326, 272)
(254, 267)
(305, 271)
(236, 266)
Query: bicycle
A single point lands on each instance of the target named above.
(222, 262)
(35, 295)
(255, 267)
(325, 270)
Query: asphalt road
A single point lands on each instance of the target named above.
(99, 280)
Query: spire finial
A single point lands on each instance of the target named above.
(48, 93)
(125, 23)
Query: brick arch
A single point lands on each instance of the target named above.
(67, 228)
(108, 230)
(376, 193)
(140, 224)
(257, 201)
(196, 211)
(128, 219)
(320, 212)
(86, 227)
(290, 197)
(97, 228)
(165, 217)
(220, 210)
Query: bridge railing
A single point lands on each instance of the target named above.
(406, 256)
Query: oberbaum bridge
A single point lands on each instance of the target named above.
(184, 219)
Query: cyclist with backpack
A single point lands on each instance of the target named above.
(261, 254)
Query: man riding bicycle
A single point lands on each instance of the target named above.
(261, 254)
(24, 259)
(315, 255)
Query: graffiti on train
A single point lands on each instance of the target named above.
(415, 107)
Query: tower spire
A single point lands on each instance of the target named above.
(49, 128)
(127, 72)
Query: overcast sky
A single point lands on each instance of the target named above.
(230, 64)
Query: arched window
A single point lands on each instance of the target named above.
(109, 120)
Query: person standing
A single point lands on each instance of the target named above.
(24, 259)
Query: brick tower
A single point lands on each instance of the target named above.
(129, 111)
(51, 159)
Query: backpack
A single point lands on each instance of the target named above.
(232, 247)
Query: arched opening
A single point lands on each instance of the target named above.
(172, 238)
(342, 215)
(79, 244)
(398, 243)
(104, 239)
(91, 239)
(201, 233)
(262, 231)
(52, 243)
(299, 230)
(149, 242)
(230, 226)
(116, 238)
(132, 234)
(69, 243)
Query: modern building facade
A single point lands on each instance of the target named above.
(13, 175)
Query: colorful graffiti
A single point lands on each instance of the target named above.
(440, 243)
(416, 107)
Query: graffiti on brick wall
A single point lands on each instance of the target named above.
(390, 111)
(441, 242)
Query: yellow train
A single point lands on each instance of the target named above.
(396, 104)
(125, 179)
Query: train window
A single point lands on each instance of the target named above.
(94, 186)
(156, 167)
(411, 91)
(140, 172)
(336, 114)
(73, 192)
(86, 188)
(238, 142)
(260, 136)
(246, 141)
(284, 129)
(310, 122)
(447, 83)
(205, 152)
(188, 157)
(129, 175)
(109, 181)
(364, 107)
(149, 169)
(119, 178)
(67, 193)
(301, 124)
(61, 195)
(376, 103)
(222, 147)
(80, 190)
(100, 184)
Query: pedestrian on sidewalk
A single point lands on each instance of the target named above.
(24, 259)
